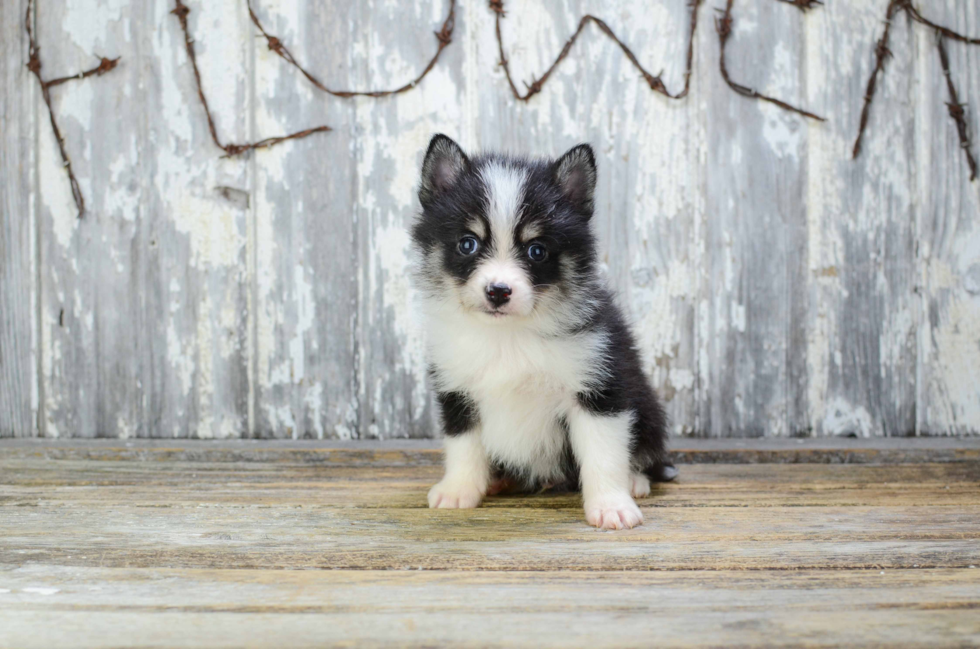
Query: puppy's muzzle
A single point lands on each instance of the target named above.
(498, 294)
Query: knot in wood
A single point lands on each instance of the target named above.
(497, 6)
(181, 10)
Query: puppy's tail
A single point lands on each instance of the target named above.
(662, 472)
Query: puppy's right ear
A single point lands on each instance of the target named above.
(444, 163)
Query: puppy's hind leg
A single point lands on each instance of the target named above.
(639, 484)
(467, 474)
(601, 444)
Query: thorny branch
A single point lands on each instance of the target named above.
(653, 80)
(34, 65)
(945, 31)
(181, 10)
(956, 109)
(444, 36)
(881, 53)
(724, 27)
(104, 66)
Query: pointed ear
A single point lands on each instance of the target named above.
(444, 163)
(575, 173)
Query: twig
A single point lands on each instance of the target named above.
(881, 53)
(956, 109)
(34, 65)
(653, 80)
(105, 65)
(724, 27)
(181, 10)
(444, 36)
(945, 31)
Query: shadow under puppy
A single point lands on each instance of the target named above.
(537, 373)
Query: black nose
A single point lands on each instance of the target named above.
(498, 294)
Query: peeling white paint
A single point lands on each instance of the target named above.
(845, 419)
(688, 302)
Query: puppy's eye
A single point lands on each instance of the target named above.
(468, 245)
(537, 252)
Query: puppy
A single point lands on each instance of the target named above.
(537, 374)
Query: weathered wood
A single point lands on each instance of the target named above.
(49, 607)
(90, 275)
(777, 287)
(748, 344)
(194, 233)
(372, 517)
(861, 351)
(303, 234)
(18, 245)
(948, 261)
(100, 553)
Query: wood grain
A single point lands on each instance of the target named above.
(92, 607)
(90, 268)
(18, 243)
(303, 234)
(100, 553)
(777, 287)
(948, 263)
(749, 345)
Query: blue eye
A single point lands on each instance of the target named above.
(468, 245)
(537, 252)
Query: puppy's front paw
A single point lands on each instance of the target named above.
(451, 494)
(614, 512)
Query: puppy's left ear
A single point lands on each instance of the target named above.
(575, 173)
(444, 163)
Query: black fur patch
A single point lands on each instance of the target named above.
(459, 413)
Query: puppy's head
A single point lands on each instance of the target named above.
(506, 238)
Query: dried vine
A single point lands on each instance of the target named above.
(945, 31)
(34, 65)
(723, 25)
(881, 53)
(956, 110)
(653, 80)
(181, 10)
(444, 36)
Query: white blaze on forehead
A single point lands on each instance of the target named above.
(505, 191)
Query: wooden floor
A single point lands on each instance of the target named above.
(150, 547)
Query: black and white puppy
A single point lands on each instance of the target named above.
(537, 373)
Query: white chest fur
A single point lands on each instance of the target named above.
(521, 381)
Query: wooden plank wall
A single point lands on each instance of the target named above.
(777, 287)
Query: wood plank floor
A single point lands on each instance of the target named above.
(106, 550)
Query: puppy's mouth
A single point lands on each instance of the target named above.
(495, 313)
